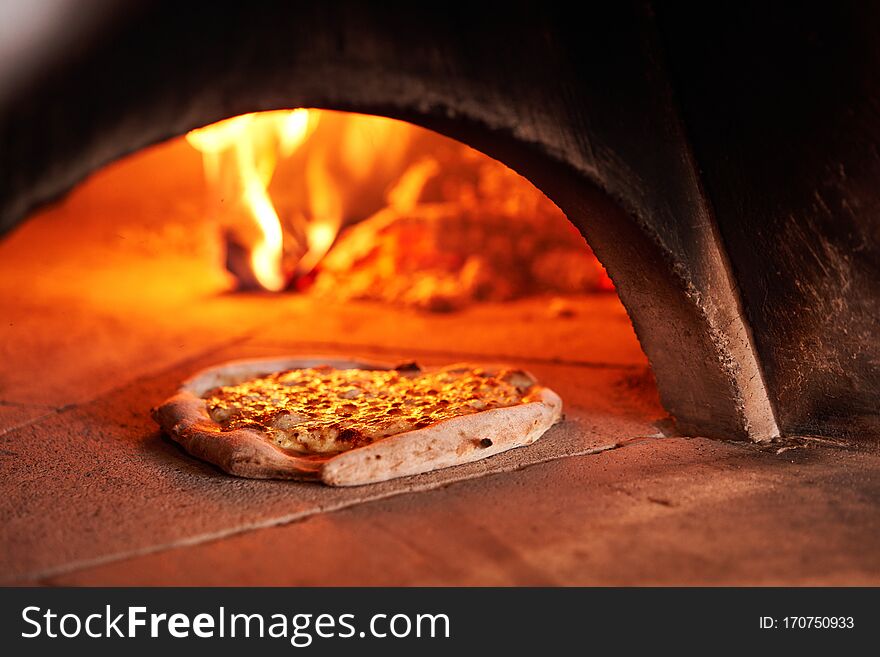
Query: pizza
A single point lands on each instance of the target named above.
(351, 423)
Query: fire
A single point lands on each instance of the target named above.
(240, 156)
(341, 162)
(267, 252)
(320, 236)
(360, 206)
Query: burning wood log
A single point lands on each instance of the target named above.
(443, 256)
(459, 228)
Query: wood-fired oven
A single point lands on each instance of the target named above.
(704, 273)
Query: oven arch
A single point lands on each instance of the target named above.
(643, 215)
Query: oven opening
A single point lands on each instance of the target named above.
(314, 232)
(309, 234)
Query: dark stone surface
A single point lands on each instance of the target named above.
(782, 103)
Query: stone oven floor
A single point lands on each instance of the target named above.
(101, 321)
(92, 494)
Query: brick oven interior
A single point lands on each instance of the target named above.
(721, 420)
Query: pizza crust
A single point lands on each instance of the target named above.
(246, 452)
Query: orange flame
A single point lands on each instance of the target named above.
(255, 142)
(338, 168)
(341, 168)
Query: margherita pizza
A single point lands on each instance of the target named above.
(348, 423)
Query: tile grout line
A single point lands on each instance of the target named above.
(39, 418)
(55, 410)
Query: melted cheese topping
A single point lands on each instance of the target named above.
(325, 410)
